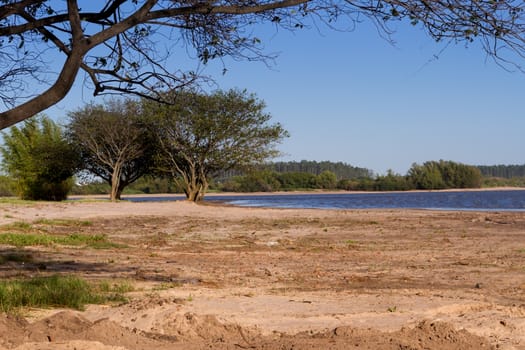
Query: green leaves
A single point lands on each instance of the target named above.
(38, 156)
(202, 134)
(444, 174)
(115, 142)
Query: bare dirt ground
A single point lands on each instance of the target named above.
(218, 277)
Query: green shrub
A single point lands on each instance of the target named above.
(327, 180)
(40, 159)
(52, 291)
(35, 239)
(444, 174)
(7, 186)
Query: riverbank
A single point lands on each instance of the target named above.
(227, 278)
(277, 193)
(493, 200)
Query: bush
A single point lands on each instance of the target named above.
(392, 182)
(150, 184)
(52, 291)
(444, 174)
(260, 181)
(327, 180)
(40, 160)
(297, 180)
(7, 186)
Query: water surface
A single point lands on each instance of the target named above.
(513, 200)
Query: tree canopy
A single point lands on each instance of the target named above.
(40, 159)
(122, 45)
(503, 171)
(436, 175)
(201, 135)
(114, 141)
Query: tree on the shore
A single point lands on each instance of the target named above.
(200, 135)
(124, 46)
(327, 180)
(114, 142)
(444, 174)
(39, 159)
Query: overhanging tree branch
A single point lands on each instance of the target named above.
(114, 47)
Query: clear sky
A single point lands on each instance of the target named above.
(354, 97)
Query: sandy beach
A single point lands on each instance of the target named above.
(222, 277)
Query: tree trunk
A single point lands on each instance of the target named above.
(203, 190)
(119, 192)
(192, 194)
(196, 189)
(116, 191)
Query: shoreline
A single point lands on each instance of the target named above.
(277, 193)
(284, 193)
(506, 199)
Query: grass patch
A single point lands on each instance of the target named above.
(119, 288)
(63, 222)
(27, 227)
(31, 239)
(16, 200)
(166, 286)
(52, 291)
(18, 226)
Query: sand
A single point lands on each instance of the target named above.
(222, 277)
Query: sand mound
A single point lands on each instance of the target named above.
(64, 328)
(12, 330)
(69, 330)
(426, 335)
(438, 335)
(57, 327)
(190, 327)
(70, 345)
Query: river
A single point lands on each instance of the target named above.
(493, 200)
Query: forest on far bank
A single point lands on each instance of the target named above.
(326, 175)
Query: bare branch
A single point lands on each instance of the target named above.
(63, 83)
(115, 45)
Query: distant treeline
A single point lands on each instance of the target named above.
(340, 169)
(432, 175)
(312, 175)
(278, 176)
(502, 171)
(271, 181)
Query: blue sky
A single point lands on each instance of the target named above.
(354, 97)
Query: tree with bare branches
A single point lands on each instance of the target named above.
(122, 46)
(114, 141)
(200, 135)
